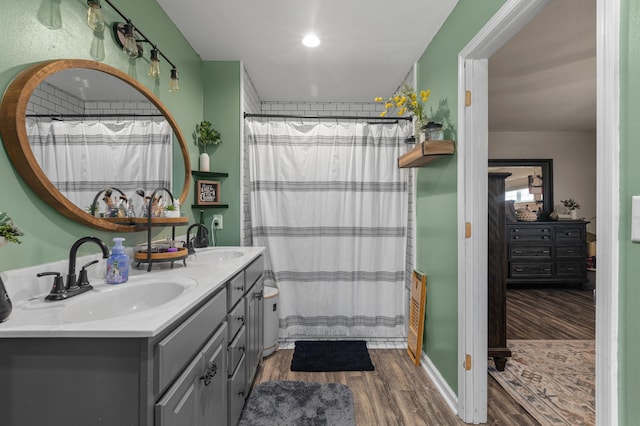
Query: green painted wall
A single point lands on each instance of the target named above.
(222, 108)
(629, 315)
(437, 248)
(26, 40)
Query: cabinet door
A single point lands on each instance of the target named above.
(213, 399)
(254, 303)
(179, 406)
(198, 396)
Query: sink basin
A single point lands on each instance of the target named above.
(122, 299)
(224, 254)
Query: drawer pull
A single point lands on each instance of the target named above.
(239, 288)
(517, 251)
(209, 374)
(519, 269)
(545, 251)
(546, 269)
(258, 295)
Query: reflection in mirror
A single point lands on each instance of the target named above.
(74, 127)
(89, 131)
(530, 185)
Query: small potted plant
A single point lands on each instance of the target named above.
(9, 233)
(206, 135)
(410, 102)
(572, 206)
(171, 211)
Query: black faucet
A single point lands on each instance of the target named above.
(71, 277)
(189, 244)
(61, 292)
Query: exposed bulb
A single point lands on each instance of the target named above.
(174, 86)
(130, 47)
(154, 64)
(95, 19)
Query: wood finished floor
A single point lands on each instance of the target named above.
(399, 393)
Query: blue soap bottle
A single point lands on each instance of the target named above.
(118, 263)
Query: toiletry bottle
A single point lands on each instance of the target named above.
(117, 264)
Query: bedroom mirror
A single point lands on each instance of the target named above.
(74, 127)
(530, 184)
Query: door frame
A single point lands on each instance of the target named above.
(472, 184)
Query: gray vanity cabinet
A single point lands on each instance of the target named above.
(245, 298)
(199, 395)
(197, 371)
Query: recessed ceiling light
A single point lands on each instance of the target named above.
(310, 40)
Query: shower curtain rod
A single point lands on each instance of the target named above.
(94, 115)
(329, 117)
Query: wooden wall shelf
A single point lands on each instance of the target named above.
(210, 206)
(208, 175)
(426, 152)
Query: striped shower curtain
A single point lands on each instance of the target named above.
(81, 158)
(328, 201)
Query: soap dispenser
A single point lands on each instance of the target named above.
(5, 303)
(118, 263)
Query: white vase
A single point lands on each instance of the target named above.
(204, 162)
(573, 214)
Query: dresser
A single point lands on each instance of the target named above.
(497, 272)
(546, 253)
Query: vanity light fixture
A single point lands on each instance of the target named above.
(130, 45)
(174, 86)
(95, 19)
(311, 40)
(154, 64)
(129, 37)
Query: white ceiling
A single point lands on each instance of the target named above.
(367, 46)
(544, 78)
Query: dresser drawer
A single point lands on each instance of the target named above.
(520, 251)
(569, 233)
(569, 251)
(237, 348)
(570, 268)
(235, 320)
(235, 289)
(523, 269)
(178, 348)
(237, 393)
(527, 233)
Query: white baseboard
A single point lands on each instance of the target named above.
(447, 393)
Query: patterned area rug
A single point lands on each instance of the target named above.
(299, 403)
(553, 380)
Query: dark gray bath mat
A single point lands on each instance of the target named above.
(330, 355)
(299, 404)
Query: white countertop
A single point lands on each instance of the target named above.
(204, 274)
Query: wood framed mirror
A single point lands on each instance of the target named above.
(530, 183)
(13, 125)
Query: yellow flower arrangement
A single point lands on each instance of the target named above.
(404, 101)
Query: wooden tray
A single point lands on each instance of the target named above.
(141, 256)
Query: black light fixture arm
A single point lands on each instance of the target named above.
(144, 39)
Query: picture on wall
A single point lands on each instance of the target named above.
(207, 192)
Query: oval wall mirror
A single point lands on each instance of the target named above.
(74, 128)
